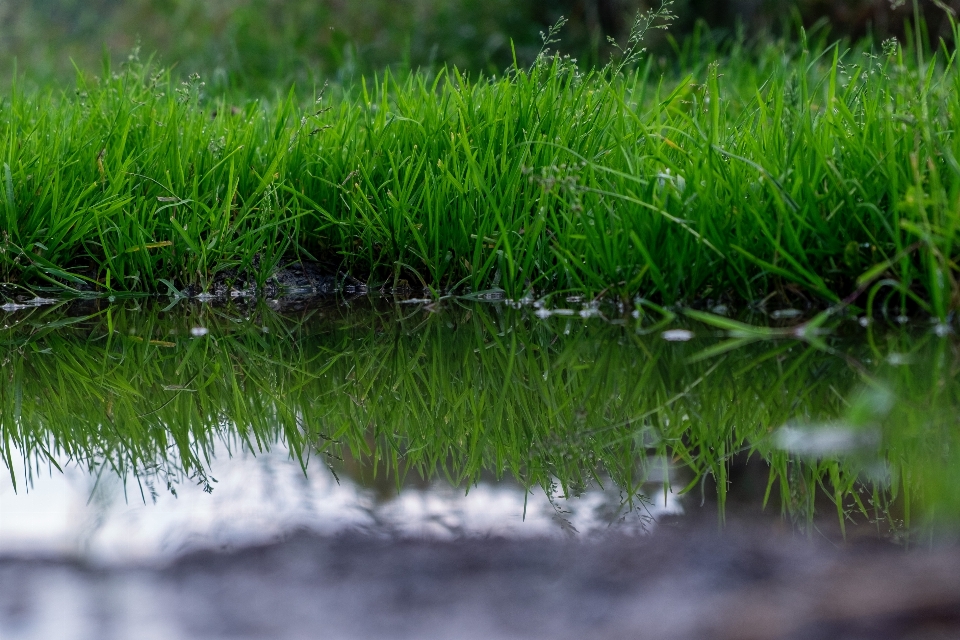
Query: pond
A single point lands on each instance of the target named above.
(138, 432)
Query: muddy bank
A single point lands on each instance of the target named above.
(297, 279)
(746, 583)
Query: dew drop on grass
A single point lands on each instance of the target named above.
(198, 332)
(942, 330)
(677, 335)
(899, 359)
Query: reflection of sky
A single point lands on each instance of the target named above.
(256, 499)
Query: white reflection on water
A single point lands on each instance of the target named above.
(825, 440)
(256, 499)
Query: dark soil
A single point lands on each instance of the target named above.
(297, 279)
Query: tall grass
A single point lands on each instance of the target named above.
(808, 170)
(558, 403)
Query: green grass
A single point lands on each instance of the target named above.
(806, 170)
(473, 390)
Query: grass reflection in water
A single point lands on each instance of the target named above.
(868, 428)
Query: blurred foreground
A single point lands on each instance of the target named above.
(749, 583)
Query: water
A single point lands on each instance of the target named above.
(361, 404)
(133, 434)
(260, 498)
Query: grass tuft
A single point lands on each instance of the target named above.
(801, 169)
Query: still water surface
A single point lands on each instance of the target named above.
(133, 432)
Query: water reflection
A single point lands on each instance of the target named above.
(438, 399)
(254, 499)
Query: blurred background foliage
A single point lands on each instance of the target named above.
(264, 44)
